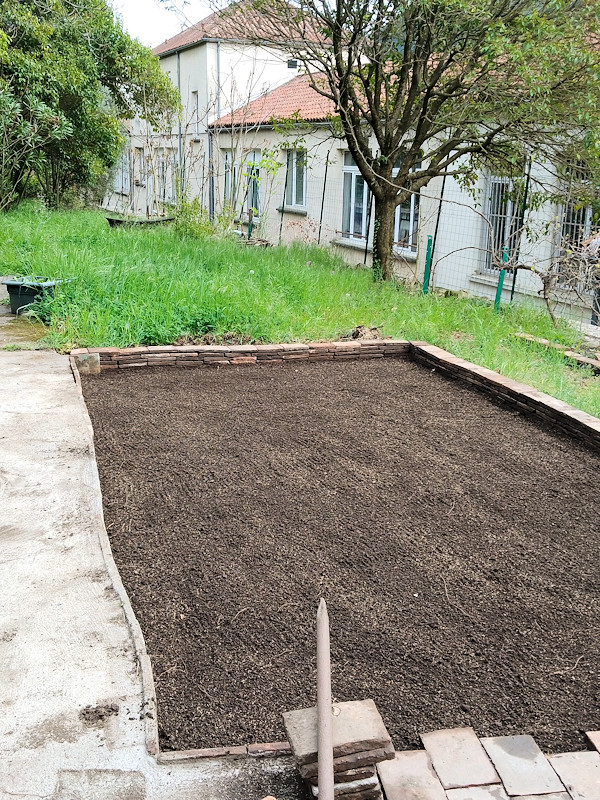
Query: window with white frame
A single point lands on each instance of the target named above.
(355, 202)
(122, 179)
(503, 207)
(167, 175)
(230, 178)
(195, 113)
(241, 182)
(295, 181)
(140, 167)
(406, 220)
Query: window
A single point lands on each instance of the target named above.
(576, 224)
(195, 114)
(140, 167)
(406, 220)
(122, 180)
(295, 187)
(230, 179)
(252, 175)
(504, 214)
(241, 185)
(167, 175)
(292, 63)
(355, 202)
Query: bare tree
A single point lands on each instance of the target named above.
(428, 87)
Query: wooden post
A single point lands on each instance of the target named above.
(324, 714)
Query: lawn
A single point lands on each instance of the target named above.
(139, 286)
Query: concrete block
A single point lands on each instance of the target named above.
(88, 363)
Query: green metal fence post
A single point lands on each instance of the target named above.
(427, 274)
(501, 279)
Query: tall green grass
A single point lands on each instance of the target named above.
(151, 286)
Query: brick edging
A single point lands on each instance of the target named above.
(262, 750)
(569, 420)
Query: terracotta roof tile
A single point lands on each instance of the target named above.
(296, 97)
(239, 22)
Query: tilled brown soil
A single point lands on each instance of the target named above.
(456, 544)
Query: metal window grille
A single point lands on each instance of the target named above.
(574, 267)
(503, 211)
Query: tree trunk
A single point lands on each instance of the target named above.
(383, 238)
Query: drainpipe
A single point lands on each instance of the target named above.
(211, 176)
(179, 129)
(218, 79)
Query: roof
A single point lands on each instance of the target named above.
(294, 98)
(238, 22)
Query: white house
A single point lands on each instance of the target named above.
(256, 141)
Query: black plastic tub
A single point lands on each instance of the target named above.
(25, 291)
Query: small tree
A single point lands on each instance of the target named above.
(69, 72)
(431, 87)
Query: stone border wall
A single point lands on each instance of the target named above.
(567, 419)
(570, 420)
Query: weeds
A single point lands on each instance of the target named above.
(158, 285)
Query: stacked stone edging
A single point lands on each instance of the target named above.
(262, 750)
(570, 420)
(561, 415)
(225, 355)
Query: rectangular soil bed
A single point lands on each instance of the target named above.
(456, 544)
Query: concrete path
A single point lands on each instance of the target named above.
(72, 714)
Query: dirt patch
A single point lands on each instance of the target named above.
(95, 715)
(455, 542)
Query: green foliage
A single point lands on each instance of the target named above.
(69, 72)
(468, 83)
(155, 286)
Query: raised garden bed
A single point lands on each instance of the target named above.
(455, 542)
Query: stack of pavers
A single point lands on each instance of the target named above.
(360, 741)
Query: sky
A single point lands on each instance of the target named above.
(151, 22)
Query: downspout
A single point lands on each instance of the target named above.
(211, 176)
(211, 155)
(218, 79)
(179, 129)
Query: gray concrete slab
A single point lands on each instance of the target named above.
(459, 758)
(521, 765)
(73, 705)
(410, 776)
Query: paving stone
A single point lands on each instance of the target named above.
(594, 737)
(580, 773)
(493, 792)
(521, 765)
(459, 759)
(350, 762)
(357, 727)
(551, 796)
(342, 790)
(410, 776)
(349, 775)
